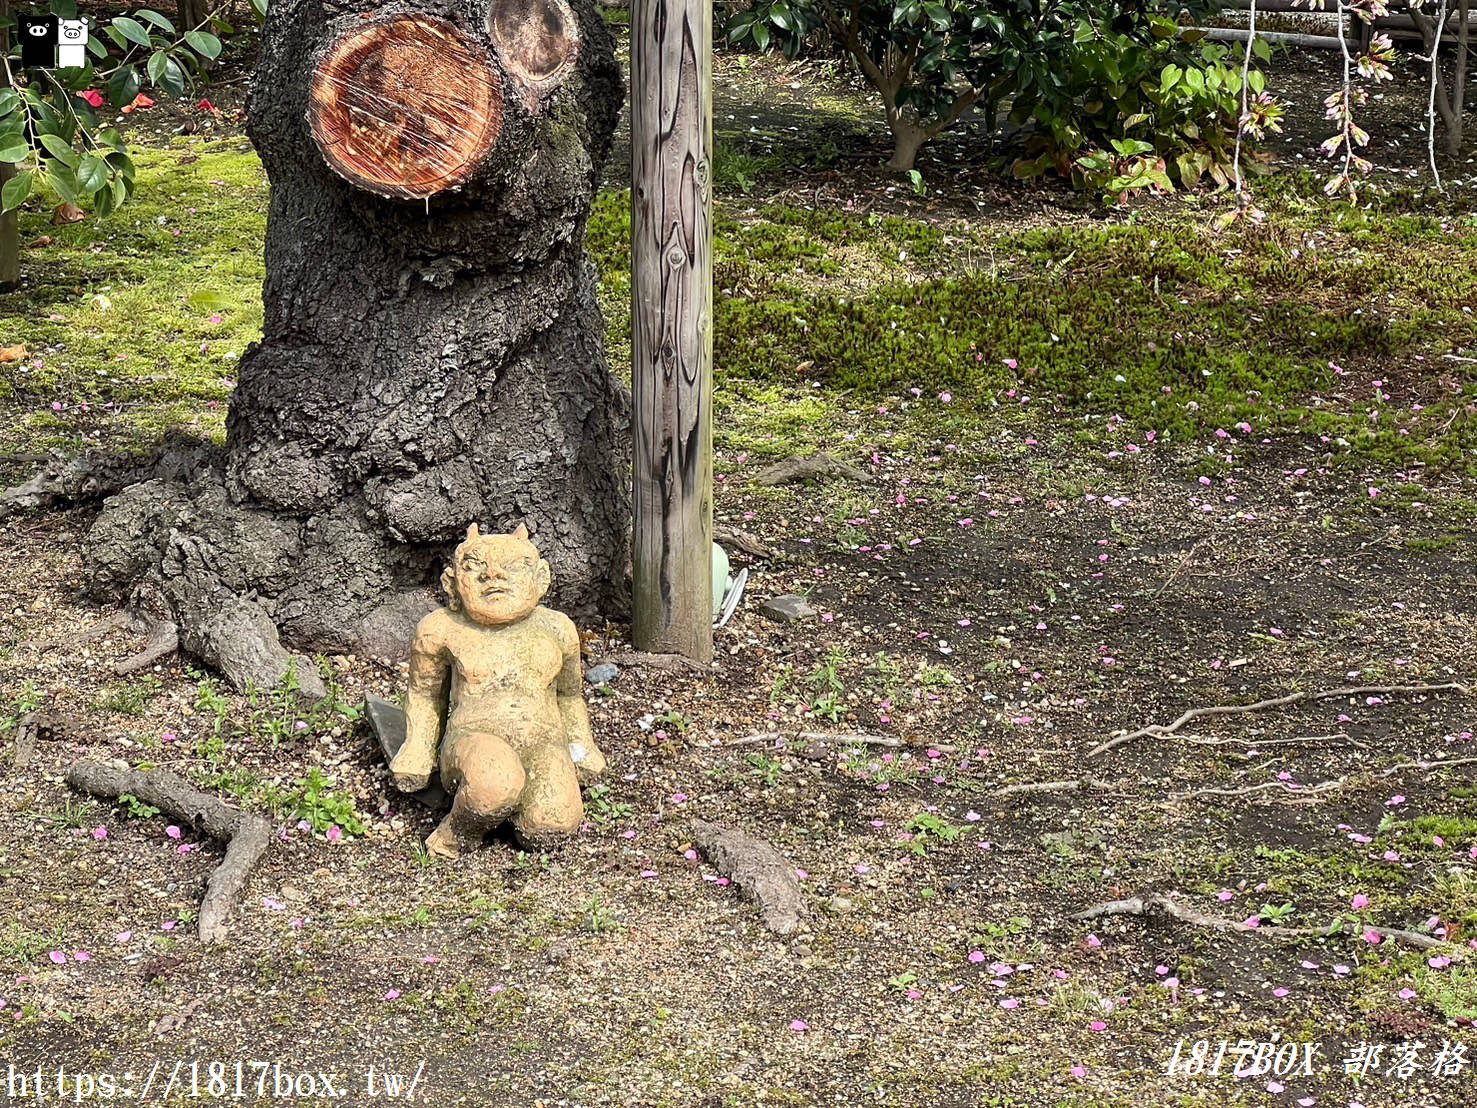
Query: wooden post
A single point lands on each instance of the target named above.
(671, 337)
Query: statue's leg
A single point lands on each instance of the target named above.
(488, 780)
(589, 762)
(551, 806)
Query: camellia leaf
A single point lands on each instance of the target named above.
(761, 36)
(173, 80)
(14, 151)
(92, 174)
(14, 194)
(260, 7)
(123, 86)
(156, 19)
(208, 45)
(155, 68)
(59, 149)
(132, 30)
(63, 182)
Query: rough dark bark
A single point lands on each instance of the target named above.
(425, 363)
(755, 866)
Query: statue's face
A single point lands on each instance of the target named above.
(500, 579)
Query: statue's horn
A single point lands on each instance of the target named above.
(520, 532)
(472, 535)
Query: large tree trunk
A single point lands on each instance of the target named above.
(432, 350)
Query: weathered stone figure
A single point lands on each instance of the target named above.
(432, 349)
(502, 674)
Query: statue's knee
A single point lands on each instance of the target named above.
(492, 781)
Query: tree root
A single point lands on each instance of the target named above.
(26, 729)
(818, 466)
(756, 867)
(1158, 729)
(96, 474)
(1159, 904)
(740, 540)
(246, 836)
(163, 641)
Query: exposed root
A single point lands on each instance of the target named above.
(1158, 729)
(25, 740)
(818, 466)
(740, 540)
(246, 836)
(1159, 904)
(95, 474)
(1398, 766)
(163, 641)
(758, 868)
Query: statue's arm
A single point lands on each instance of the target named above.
(572, 708)
(416, 760)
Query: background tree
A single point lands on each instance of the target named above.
(432, 351)
(51, 140)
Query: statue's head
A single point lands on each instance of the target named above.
(495, 579)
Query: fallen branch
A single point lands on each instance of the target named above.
(1159, 904)
(756, 867)
(163, 641)
(1246, 790)
(1157, 729)
(246, 836)
(818, 466)
(1340, 736)
(1398, 766)
(1058, 786)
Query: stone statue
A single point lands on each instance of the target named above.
(501, 674)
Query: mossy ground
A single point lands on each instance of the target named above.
(1043, 554)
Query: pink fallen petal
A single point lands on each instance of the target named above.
(799, 1025)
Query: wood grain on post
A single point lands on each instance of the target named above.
(671, 341)
(406, 106)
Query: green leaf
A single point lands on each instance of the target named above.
(63, 182)
(761, 36)
(92, 174)
(209, 300)
(119, 188)
(15, 152)
(173, 81)
(1257, 80)
(155, 68)
(207, 44)
(156, 19)
(132, 30)
(60, 150)
(9, 100)
(938, 15)
(110, 138)
(95, 47)
(260, 7)
(14, 194)
(124, 85)
(1260, 48)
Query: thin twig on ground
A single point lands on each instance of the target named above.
(1257, 743)
(1292, 788)
(1159, 904)
(1158, 729)
(1058, 786)
(246, 836)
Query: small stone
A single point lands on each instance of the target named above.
(603, 674)
(787, 609)
(839, 905)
